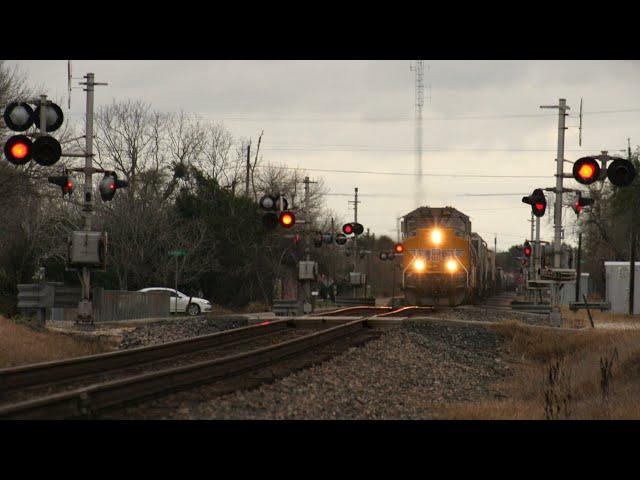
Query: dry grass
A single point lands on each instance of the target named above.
(20, 344)
(580, 318)
(582, 374)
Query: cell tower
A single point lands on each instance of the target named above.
(418, 68)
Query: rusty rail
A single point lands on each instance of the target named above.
(69, 369)
(103, 396)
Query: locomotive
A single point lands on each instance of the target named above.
(445, 263)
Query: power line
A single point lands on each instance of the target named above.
(404, 174)
(252, 117)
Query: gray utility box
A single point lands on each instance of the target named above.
(87, 249)
(568, 292)
(617, 286)
(307, 270)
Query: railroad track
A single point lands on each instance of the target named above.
(109, 394)
(355, 311)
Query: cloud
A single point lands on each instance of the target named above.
(353, 105)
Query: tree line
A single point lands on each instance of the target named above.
(192, 185)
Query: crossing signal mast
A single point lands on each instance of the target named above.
(45, 150)
(277, 212)
(87, 248)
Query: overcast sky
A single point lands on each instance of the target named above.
(482, 117)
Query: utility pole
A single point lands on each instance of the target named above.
(85, 307)
(355, 219)
(246, 180)
(578, 267)
(307, 240)
(632, 260)
(556, 316)
(533, 252)
(632, 269)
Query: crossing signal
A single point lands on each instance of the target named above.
(538, 202)
(268, 202)
(621, 172)
(53, 117)
(580, 203)
(18, 149)
(398, 248)
(18, 116)
(64, 182)
(270, 220)
(46, 151)
(287, 219)
(327, 238)
(386, 255)
(341, 238)
(586, 170)
(527, 249)
(352, 228)
(109, 184)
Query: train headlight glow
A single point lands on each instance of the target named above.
(452, 265)
(419, 265)
(436, 236)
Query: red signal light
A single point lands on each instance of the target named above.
(347, 229)
(586, 170)
(577, 207)
(19, 150)
(398, 248)
(287, 219)
(539, 207)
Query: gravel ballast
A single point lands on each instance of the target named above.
(402, 375)
(168, 331)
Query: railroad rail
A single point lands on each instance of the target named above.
(357, 310)
(408, 311)
(111, 394)
(73, 368)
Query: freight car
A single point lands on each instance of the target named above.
(445, 263)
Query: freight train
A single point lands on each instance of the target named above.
(445, 263)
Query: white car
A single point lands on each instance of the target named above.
(179, 302)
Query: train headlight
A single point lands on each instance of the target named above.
(436, 236)
(452, 265)
(419, 265)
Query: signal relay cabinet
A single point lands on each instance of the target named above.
(88, 249)
(307, 270)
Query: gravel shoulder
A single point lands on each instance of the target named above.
(404, 374)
